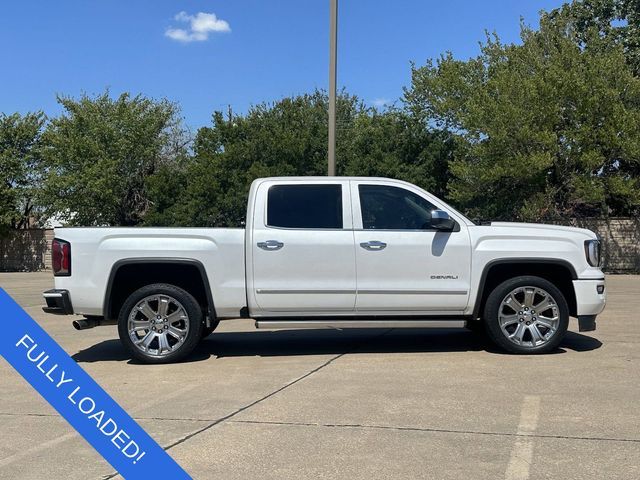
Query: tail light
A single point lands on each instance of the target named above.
(61, 257)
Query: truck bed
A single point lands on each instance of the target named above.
(97, 250)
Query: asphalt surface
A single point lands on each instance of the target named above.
(359, 404)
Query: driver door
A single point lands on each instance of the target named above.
(404, 265)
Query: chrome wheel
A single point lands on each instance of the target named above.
(529, 316)
(158, 325)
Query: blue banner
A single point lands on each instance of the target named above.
(79, 399)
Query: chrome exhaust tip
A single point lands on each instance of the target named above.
(90, 322)
(82, 324)
(86, 323)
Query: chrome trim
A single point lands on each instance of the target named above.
(58, 302)
(423, 230)
(413, 292)
(347, 229)
(270, 245)
(438, 215)
(340, 324)
(314, 229)
(307, 292)
(365, 292)
(373, 245)
(362, 313)
(430, 311)
(52, 295)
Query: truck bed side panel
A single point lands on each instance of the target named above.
(94, 252)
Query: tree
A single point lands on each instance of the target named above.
(289, 138)
(617, 21)
(101, 151)
(394, 144)
(20, 166)
(544, 129)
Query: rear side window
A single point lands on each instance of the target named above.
(305, 206)
(392, 208)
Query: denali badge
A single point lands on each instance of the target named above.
(444, 277)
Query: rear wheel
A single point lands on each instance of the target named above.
(160, 323)
(526, 315)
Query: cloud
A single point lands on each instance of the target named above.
(200, 26)
(380, 102)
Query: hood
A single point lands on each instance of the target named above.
(544, 226)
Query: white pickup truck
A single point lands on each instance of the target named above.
(330, 252)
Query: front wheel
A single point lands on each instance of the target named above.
(526, 314)
(160, 323)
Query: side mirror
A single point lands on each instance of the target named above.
(440, 220)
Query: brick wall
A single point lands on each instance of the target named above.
(26, 250)
(29, 250)
(620, 241)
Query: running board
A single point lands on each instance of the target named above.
(340, 324)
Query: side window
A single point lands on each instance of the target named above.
(305, 206)
(393, 208)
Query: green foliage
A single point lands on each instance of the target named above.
(286, 138)
(393, 144)
(616, 21)
(547, 128)
(99, 154)
(289, 138)
(20, 166)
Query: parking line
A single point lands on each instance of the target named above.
(38, 448)
(522, 452)
(73, 434)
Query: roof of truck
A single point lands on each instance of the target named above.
(319, 178)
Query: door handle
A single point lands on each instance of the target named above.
(270, 245)
(373, 245)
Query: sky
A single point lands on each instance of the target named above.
(208, 55)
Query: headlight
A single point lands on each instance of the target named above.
(592, 252)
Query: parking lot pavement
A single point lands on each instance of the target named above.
(352, 404)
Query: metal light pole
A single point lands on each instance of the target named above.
(333, 53)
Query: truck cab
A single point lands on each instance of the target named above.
(354, 246)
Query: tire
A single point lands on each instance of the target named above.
(513, 323)
(160, 323)
(206, 331)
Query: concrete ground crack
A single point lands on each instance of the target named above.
(13, 414)
(269, 395)
(213, 422)
(256, 402)
(435, 430)
(242, 409)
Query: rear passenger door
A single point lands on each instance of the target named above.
(302, 248)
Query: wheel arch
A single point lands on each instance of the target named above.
(559, 272)
(186, 273)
